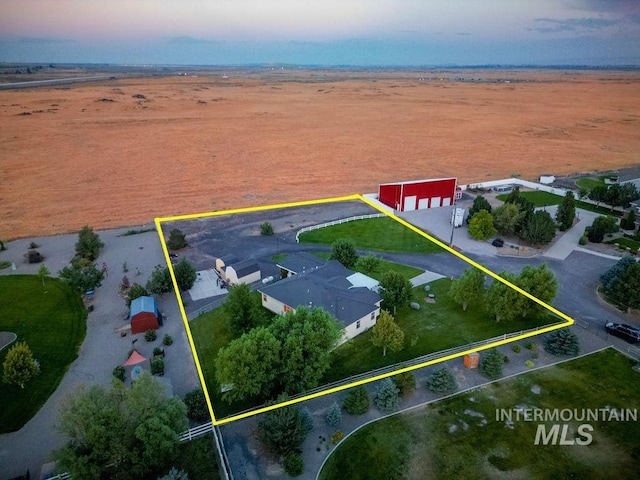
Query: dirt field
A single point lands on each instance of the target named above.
(122, 152)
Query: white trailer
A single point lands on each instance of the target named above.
(457, 216)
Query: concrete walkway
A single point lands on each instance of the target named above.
(426, 277)
(103, 347)
(568, 240)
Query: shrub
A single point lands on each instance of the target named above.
(33, 245)
(334, 415)
(442, 381)
(562, 343)
(157, 366)
(583, 240)
(266, 229)
(2, 247)
(357, 401)
(4, 264)
(136, 290)
(150, 335)
(530, 345)
(529, 363)
(158, 352)
(387, 398)
(196, 405)
(34, 256)
(492, 364)
(336, 437)
(293, 464)
(516, 348)
(167, 340)
(177, 239)
(125, 268)
(118, 372)
(406, 383)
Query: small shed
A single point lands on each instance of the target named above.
(144, 315)
(547, 179)
(243, 272)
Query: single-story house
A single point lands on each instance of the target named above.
(630, 175)
(144, 315)
(332, 287)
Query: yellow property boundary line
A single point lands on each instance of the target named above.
(159, 221)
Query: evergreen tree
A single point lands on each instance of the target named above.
(357, 401)
(387, 398)
(562, 343)
(492, 363)
(479, 203)
(506, 218)
(333, 417)
(284, 429)
(177, 239)
(406, 383)
(539, 229)
(566, 212)
(442, 381)
(625, 291)
(344, 251)
(610, 276)
(185, 274)
(89, 244)
(135, 291)
(159, 282)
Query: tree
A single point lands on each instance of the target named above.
(249, 364)
(293, 464)
(525, 206)
(629, 222)
(82, 275)
(566, 213)
(562, 343)
(344, 251)
(598, 194)
(196, 405)
(175, 474)
(185, 274)
(395, 290)
(387, 334)
(357, 401)
(503, 301)
(159, 282)
(122, 432)
(19, 365)
(442, 381)
(629, 194)
(492, 363)
(43, 272)
(506, 218)
(284, 429)
(539, 229)
(481, 226)
(406, 383)
(469, 288)
(367, 264)
(307, 337)
(610, 276)
(333, 416)
(625, 291)
(266, 229)
(614, 196)
(601, 226)
(135, 291)
(583, 193)
(89, 244)
(540, 282)
(479, 203)
(387, 398)
(242, 309)
(177, 239)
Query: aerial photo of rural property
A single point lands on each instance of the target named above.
(319, 240)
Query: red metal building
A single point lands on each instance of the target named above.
(418, 194)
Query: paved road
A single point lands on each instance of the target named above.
(103, 348)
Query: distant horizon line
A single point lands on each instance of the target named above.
(494, 66)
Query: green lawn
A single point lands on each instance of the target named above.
(626, 242)
(405, 270)
(461, 438)
(545, 199)
(591, 182)
(52, 321)
(433, 328)
(383, 234)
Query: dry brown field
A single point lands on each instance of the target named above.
(122, 152)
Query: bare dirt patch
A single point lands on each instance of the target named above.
(183, 144)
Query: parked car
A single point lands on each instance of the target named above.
(498, 242)
(626, 332)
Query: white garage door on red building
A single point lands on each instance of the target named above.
(418, 194)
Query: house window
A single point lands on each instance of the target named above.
(358, 324)
(373, 315)
(264, 298)
(287, 308)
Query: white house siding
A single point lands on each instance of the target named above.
(272, 304)
(366, 323)
(232, 277)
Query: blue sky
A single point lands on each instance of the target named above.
(321, 32)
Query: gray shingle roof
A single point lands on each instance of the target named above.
(629, 174)
(299, 262)
(326, 287)
(245, 268)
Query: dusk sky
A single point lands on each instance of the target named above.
(321, 32)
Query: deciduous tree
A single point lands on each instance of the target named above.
(395, 290)
(19, 365)
(502, 301)
(481, 226)
(242, 309)
(344, 251)
(185, 274)
(367, 264)
(387, 334)
(135, 291)
(43, 272)
(121, 432)
(539, 229)
(540, 282)
(89, 244)
(159, 282)
(82, 275)
(469, 288)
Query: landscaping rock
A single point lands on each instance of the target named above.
(415, 305)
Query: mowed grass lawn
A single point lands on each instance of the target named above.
(435, 327)
(52, 321)
(625, 242)
(460, 437)
(546, 199)
(383, 234)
